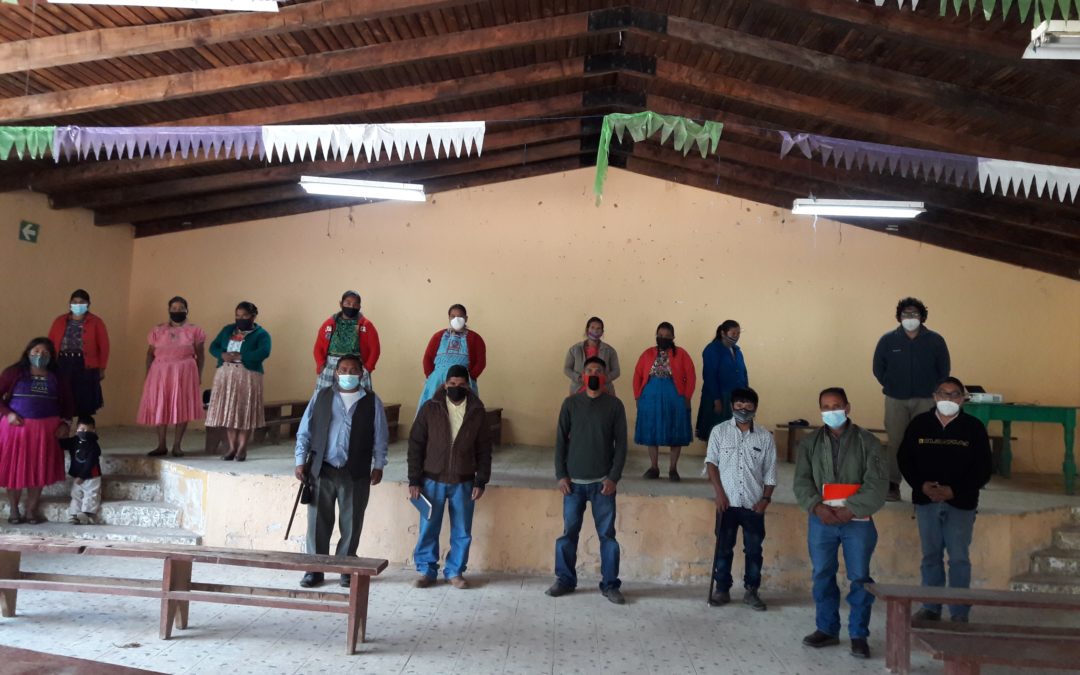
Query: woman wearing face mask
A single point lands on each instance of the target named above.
(34, 403)
(82, 347)
(454, 346)
(174, 363)
(236, 400)
(663, 384)
(723, 370)
(579, 352)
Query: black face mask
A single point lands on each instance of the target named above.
(350, 312)
(244, 324)
(664, 343)
(178, 317)
(88, 436)
(593, 382)
(456, 394)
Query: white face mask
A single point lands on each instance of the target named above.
(948, 408)
(911, 325)
(457, 323)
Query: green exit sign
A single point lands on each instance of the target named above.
(29, 231)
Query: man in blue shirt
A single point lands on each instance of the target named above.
(341, 447)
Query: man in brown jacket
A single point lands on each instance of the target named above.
(449, 463)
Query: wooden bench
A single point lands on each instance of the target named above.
(176, 588)
(280, 414)
(793, 432)
(965, 654)
(900, 629)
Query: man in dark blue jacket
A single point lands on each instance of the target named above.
(909, 362)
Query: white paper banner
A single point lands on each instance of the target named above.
(338, 141)
(1019, 177)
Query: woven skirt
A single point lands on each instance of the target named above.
(236, 400)
(30, 455)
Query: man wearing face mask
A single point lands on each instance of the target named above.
(909, 361)
(946, 459)
(841, 481)
(347, 332)
(741, 462)
(590, 451)
(449, 463)
(341, 449)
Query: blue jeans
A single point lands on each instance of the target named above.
(603, 511)
(945, 528)
(458, 497)
(753, 534)
(858, 540)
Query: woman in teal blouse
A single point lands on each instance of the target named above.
(236, 399)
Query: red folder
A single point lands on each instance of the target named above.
(836, 494)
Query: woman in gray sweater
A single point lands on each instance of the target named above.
(574, 364)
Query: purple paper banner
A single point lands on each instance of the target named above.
(131, 142)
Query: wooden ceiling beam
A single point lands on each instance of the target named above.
(299, 68)
(111, 43)
(315, 204)
(113, 198)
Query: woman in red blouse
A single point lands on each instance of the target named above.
(664, 381)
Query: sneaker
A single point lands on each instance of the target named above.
(751, 599)
(859, 648)
(312, 579)
(651, 474)
(88, 518)
(817, 640)
(458, 582)
(424, 582)
(925, 614)
(557, 590)
(893, 495)
(614, 595)
(719, 598)
(345, 581)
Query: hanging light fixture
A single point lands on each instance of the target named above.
(857, 208)
(1055, 40)
(363, 189)
(224, 5)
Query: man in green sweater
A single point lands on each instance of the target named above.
(590, 450)
(840, 478)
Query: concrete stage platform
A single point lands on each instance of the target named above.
(665, 529)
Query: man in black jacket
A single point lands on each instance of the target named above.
(946, 459)
(909, 361)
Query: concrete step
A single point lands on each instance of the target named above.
(146, 535)
(1076, 514)
(116, 487)
(130, 465)
(1046, 583)
(1056, 561)
(1067, 537)
(125, 513)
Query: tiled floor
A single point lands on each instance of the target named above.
(503, 625)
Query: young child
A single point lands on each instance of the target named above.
(86, 469)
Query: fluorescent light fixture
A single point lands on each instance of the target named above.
(226, 5)
(1055, 40)
(364, 189)
(857, 208)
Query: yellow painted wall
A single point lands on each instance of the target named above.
(39, 278)
(532, 259)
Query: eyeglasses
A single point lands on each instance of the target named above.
(952, 395)
(910, 315)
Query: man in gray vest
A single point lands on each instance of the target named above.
(341, 446)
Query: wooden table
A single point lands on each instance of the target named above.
(793, 432)
(966, 654)
(1007, 413)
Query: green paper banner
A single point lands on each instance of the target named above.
(1044, 9)
(687, 133)
(31, 141)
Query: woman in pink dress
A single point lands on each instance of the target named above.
(34, 402)
(174, 363)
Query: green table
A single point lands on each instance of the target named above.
(1007, 413)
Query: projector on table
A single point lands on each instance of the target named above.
(977, 394)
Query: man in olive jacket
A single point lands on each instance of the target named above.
(841, 453)
(449, 463)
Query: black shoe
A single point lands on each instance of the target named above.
(925, 614)
(557, 590)
(673, 476)
(346, 581)
(614, 595)
(859, 648)
(893, 495)
(651, 474)
(958, 619)
(719, 598)
(312, 579)
(751, 599)
(817, 640)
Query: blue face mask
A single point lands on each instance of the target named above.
(834, 418)
(39, 360)
(78, 308)
(348, 382)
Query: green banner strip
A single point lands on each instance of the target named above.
(33, 142)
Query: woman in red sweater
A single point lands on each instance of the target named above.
(664, 381)
(82, 347)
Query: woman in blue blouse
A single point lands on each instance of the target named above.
(723, 371)
(236, 400)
